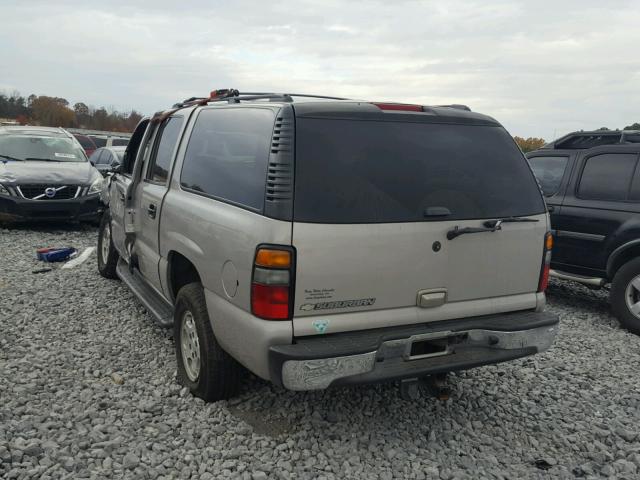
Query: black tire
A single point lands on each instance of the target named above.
(219, 373)
(106, 263)
(618, 296)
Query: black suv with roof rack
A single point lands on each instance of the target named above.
(591, 182)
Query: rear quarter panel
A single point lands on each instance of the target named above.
(220, 240)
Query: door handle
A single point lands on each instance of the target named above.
(151, 210)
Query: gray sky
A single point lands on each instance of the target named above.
(539, 67)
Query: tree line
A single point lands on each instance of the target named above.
(57, 112)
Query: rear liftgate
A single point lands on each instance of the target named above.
(436, 344)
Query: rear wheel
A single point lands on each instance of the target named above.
(203, 366)
(107, 254)
(625, 295)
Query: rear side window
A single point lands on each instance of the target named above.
(227, 155)
(549, 171)
(159, 170)
(607, 176)
(350, 171)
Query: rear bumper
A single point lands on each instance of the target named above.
(14, 209)
(371, 356)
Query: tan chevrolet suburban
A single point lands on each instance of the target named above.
(321, 241)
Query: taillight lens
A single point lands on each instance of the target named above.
(543, 283)
(405, 107)
(272, 284)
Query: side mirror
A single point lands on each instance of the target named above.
(116, 168)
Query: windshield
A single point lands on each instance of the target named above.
(350, 171)
(33, 148)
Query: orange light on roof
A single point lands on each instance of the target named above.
(267, 257)
(548, 242)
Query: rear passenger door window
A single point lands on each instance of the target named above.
(160, 165)
(227, 155)
(549, 172)
(607, 177)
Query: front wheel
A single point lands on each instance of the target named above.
(203, 366)
(625, 295)
(107, 253)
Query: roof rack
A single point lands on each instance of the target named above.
(231, 95)
(234, 96)
(582, 140)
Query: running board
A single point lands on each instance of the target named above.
(590, 281)
(158, 307)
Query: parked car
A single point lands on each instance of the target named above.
(87, 144)
(109, 140)
(591, 181)
(45, 175)
(329, 242)
(107, 158)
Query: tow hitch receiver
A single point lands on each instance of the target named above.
(433, 385)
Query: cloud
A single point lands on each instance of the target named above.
(538, 67)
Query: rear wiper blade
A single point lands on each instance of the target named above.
(457, 231)
(9, 157)
(489, 226)
(499, 221)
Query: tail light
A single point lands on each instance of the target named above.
(404, 107)
(272, 283)
(546, 262)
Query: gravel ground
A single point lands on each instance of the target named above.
(87, 389)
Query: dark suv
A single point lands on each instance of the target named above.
(591, 181)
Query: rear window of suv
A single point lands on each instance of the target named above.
(352, 171)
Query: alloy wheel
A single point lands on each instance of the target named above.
(632, 296)
(106, 242)
(190, 346)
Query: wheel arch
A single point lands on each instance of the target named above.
(622, 255)
(180, 272)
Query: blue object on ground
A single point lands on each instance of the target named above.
(55, 254)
